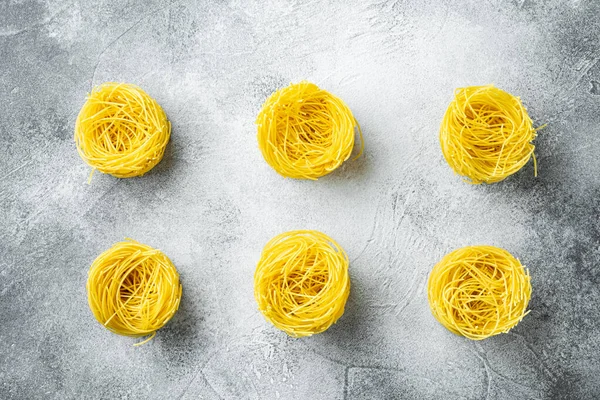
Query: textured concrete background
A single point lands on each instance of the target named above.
(213, 202)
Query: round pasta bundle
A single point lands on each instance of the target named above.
(486, 134)
(479, 291)
(133, 289)
(301, 282)
(121, 130)
(305, 132)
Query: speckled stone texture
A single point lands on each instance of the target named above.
(213, 202)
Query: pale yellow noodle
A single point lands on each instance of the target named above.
(479, 291)
(121, 130)
(305, 132)
(486, 134)
(301, 282)
(133, 289)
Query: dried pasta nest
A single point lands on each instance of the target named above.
(133, 289)
(479, 291)
(305, 132)
(301, 282)
(486, 134)
(121, 130)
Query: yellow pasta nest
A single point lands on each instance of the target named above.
(121, 130)
(479, 291)
(486, 134)
(301, 282)
(133, 289)
(305, 132)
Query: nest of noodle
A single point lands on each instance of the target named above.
(133, 289)
(301, 282)
(479, 291)
(121, 130)
(486, 134)
(305, 132)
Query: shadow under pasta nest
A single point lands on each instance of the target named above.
(550, 168)
(181, 339)
(346, 340)
(522, 188)
(351, 325)
(353, 169)
(164, 176)
(169, 164)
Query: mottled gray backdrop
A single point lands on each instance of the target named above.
(212, 203)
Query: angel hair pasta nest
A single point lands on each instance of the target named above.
(305, 132)
(121, 130)
(133, 289)
(479, 291)
(301, 282)
(486, 134)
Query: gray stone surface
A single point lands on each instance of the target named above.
(213, 202)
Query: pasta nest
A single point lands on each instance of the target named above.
(305, 132)
(486, 134)
(133, 289)
(121, 130)
(479, 291)
(301, 282)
